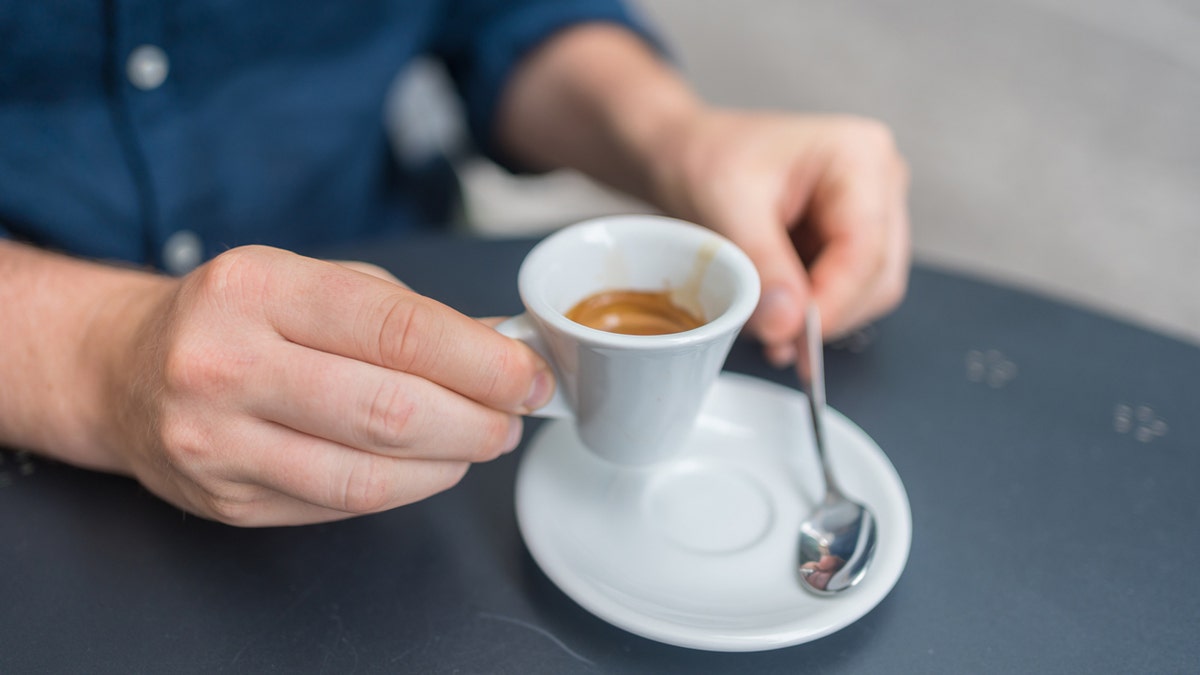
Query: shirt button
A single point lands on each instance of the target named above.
(182, 252)
(147, 67)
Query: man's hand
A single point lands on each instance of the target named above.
(274, 389)
(262, 389)
(819, 204)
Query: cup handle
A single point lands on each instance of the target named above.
(521, 327)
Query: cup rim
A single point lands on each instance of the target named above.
(731, 320)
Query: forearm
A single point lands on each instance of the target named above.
(597, 99)
(65, 323)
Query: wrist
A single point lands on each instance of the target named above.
(654, 132)
(674, 156)
(67, 325)
(595, 98)
(117, 345)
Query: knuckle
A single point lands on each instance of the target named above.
(191, 365)
(233, 505)
(196, 354)
(368, 488)
(189, 455)
(207, 368)
(238, 281)
(232, 269)
(497, 376)
(183, 445)
(507, 378)
(389, 415)
(408, 333)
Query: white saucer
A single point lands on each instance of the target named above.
(700, 551)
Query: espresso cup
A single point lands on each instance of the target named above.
(634, 399)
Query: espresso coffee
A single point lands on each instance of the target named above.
(633, 312)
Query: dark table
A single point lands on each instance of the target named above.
(1051, 456)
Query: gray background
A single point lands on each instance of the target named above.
(1052, 142)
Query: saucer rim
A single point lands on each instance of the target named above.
(606, 607)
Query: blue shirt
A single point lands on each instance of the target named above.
(268, 127)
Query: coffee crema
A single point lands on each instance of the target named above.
(632, 312)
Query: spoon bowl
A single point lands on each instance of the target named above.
(837, 541)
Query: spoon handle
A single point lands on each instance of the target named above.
(812, 377)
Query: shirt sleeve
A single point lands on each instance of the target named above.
(481, 42)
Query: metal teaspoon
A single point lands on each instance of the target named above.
(837, 541)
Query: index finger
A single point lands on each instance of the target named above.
(330, 308)
(854, 214)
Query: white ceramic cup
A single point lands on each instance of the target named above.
(634, 398)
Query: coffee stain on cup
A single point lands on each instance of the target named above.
(687, 295)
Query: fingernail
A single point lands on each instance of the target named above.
(515, 428)
(782, 356)
(540, 392)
